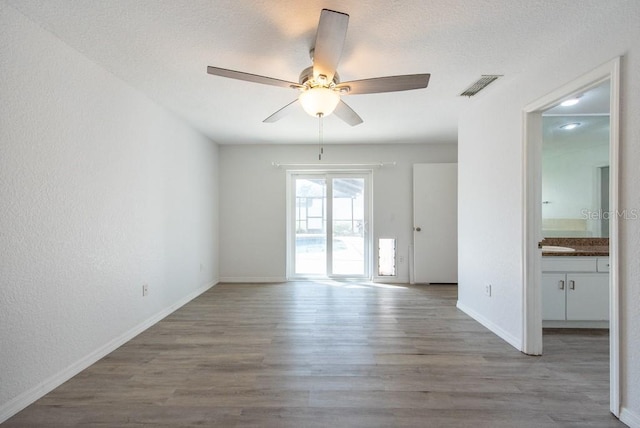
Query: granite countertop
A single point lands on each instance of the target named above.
(584, 247)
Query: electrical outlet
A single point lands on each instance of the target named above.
(201, 267)
(400, 259)
(487, 290)
(145, 290)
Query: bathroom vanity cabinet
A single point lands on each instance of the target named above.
(575, 292)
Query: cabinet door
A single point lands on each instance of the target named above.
(553, 296)
(588, 296)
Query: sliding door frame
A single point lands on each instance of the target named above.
(329, 175)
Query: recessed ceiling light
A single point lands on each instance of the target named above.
(570, 126)
(570, 102)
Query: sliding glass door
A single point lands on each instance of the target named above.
(310, 243)
(328, 223)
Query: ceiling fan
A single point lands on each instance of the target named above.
(319, 85)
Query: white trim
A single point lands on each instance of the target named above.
(532, 232)
(614, 227)
(23, 400)
(494, 328)
(391, 279)
(290, 225)
(532, 113)
(576, 324)
(253, 279)
(412, 276)
(576, 114)
(629, 417)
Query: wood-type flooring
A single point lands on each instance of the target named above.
(332, 354)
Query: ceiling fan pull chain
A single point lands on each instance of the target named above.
(320, 137)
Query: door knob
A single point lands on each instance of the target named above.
(417, 229)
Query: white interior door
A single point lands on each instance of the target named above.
(435, 222)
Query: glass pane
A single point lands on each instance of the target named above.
(311, 242)
(348, 226)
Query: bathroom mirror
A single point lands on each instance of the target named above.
(575, 166)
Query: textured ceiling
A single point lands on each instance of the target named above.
(162, 48)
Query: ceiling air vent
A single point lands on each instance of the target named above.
(480, 84)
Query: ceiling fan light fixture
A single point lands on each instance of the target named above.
(319, 101)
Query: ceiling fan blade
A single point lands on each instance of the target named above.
(385, 84)
(239, 75)
(346, 113)
(281, 113)
(332, 30)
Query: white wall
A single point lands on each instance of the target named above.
(101, 191)
(491, 183)
(253, 201)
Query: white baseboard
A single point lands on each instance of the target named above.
(498, 331)
(251, 279)
(277, 279)
(575, 324)
(630, 418)
(23, 400)
(391, 279)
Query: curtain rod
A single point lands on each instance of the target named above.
(321, 165)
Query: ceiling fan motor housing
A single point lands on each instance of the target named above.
(307, 76)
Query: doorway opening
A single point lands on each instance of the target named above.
(328, 225)
(533, 221)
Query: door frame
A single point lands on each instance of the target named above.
(532, 216)
(329, 174)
